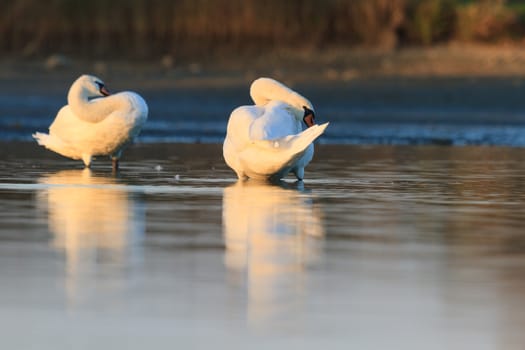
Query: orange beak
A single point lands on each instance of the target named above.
(104, 91)
(309, 117)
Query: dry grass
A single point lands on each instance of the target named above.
(430, 21)
(486, 21)
(143, 28)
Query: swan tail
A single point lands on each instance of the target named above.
(54, 144)
(298, 143)
(42, 139)
(272, 156)
(50, 142)
(293, 144)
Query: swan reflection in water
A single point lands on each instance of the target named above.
(272, 233)
(95, 222)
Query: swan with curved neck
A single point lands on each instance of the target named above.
(94, 122)
(266, 140)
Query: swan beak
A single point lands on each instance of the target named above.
(104, 91)
(309, 117)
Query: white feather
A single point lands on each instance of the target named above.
(92, 125)
(266, 141)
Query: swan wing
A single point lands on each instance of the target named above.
(117, 127)
(263, 158)
(68, 127)
(275, 122)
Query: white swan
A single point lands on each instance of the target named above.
(266, 141)
(94, 122)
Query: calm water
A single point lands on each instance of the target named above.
(394, 247)
(399, 111)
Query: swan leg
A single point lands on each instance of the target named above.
(115, 158)
(242, 176)
(299, 173)
(114, 162)
(86, 158)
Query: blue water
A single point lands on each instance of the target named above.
(415, 111)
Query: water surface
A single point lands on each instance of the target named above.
(388, 110)
(380, 247)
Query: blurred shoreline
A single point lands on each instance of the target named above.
(288, 65)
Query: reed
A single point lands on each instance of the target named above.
(430, 21)
(487, 21)
(144, 28)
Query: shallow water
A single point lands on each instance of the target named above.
(399, 111)
(381, 247)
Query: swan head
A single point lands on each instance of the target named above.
(308, 117)
(302, 110)
(88, 87)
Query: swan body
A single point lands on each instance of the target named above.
(95, 123)
(266, 140)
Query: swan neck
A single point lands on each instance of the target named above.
(264, 90)
(89, 108)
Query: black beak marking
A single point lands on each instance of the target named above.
(309, 117)
(102, 89)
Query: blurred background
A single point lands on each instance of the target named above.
(141, 29)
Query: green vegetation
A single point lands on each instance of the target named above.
(145, 28)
